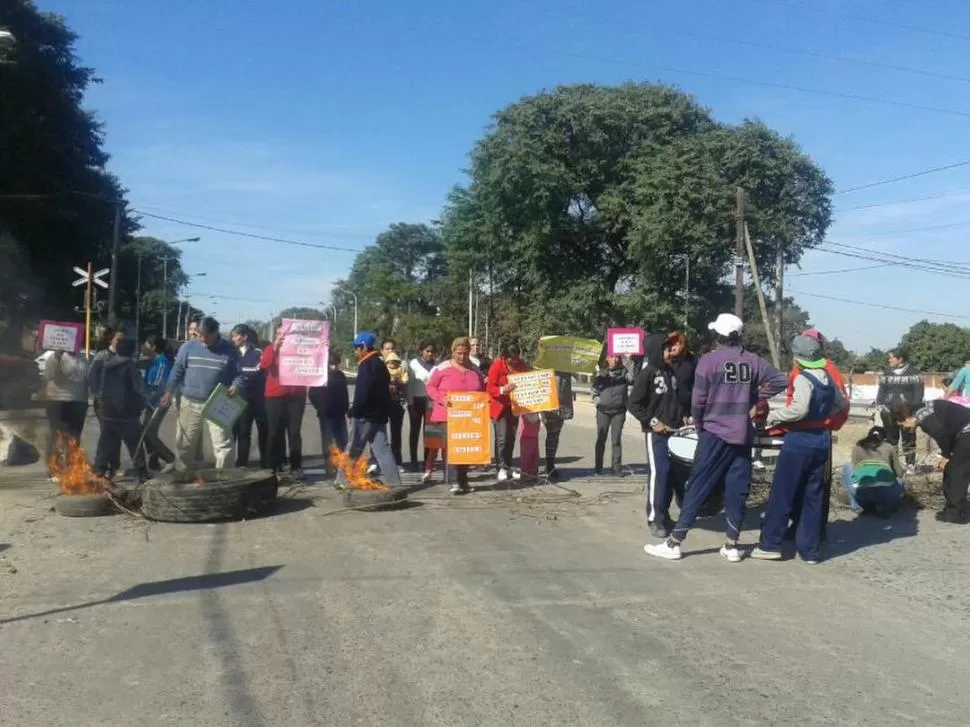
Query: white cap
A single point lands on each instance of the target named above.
(726, 324)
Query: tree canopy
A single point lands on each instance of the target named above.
(940, 347)
(584, 204)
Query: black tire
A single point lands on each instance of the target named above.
(228, 495)
(374, 499)
(83, 505)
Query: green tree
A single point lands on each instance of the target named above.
(940, 347)
(584, 205)
(874, 360)
(840, 355)
(56, 198)
(794, 321)
(305, 314)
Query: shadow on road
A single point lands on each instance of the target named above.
(205, 582)
(848, 536)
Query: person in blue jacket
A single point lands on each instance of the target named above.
(253, 392)
(332, 403)
(156, 378)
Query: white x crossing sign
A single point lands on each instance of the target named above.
(95, 277)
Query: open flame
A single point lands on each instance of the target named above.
(354, 471)
(69, 464)
(199, 480)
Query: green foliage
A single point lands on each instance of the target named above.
(51, 145)
(584, 203)
(940, 347)
(305, 314)
(845, 359)
(874, 360)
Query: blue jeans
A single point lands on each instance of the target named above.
(862, 497)
(333, 432)
(375, 434)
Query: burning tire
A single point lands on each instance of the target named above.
(374, 499)
(94, 505)
(217, 495)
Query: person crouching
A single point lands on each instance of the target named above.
(800, 473)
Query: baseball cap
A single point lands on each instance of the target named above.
(364, 338)
(807, 352)
(726, 324)
(816, 334)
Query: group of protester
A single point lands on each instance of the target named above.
(723, 395)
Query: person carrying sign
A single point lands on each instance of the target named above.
(505, 421)
(285, 406)
(729, 383)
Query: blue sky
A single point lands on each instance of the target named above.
(325, 120)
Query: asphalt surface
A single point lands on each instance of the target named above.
(525, 607)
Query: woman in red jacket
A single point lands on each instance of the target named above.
(505, 422)
(284, 412)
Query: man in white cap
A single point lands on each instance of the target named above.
(728, 385)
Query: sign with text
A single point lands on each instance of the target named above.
(60, 336)
(535, 391)
(624, 342)
(469, 428)
(304, 353)
(569, 354)
(222, 409)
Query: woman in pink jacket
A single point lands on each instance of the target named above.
(457, 374)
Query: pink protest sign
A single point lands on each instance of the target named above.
(60, 336)
(304, 353)
(624, 342)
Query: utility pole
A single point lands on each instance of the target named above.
(165, 297)
(87, 311)
(780, 293)
(138, 303)
(113, 281)
(765, 318)
(739, 256)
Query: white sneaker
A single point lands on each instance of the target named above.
(759, 554)
(372, 469)
(503, 475)
(758, 464)
(516, 475)
(732, 554)
(426, 477)
(663, 550)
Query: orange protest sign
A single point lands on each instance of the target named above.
(535, 391)
(469, 428)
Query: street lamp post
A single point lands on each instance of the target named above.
(356, 330)
(165, 284)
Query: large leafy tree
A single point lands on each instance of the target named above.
(940, 347)
(585, 205)
(57, 201)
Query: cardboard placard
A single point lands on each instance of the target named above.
(469, 428)
(624, 342)
(568, 353)
(60, 336)
(535, 391)
(222, 409)
(305, 352)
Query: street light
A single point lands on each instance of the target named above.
(165, 283)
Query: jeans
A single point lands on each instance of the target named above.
(374, 433)
(285, 417)
(609, 424)
(188, 438)
(905, 437)
(254, 413)
(113, 433)
(416, 413)
(862, 497)
(505, 429)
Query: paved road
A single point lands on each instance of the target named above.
(527, 607)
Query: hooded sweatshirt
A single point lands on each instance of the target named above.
(611, 389)
(66, 377)
(398, 377)
(122, 393)
(729, 381)
(905, 383)
(655, 398)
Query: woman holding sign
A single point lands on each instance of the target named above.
(506, 423)
(450, 377)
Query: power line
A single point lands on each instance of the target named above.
(908, 231)
(866, 19)
(880, 305)
(904, 177)
(839, 271)
(267, 238)
(251, 300)
(957, 264)
(892, 203)
(903, 263)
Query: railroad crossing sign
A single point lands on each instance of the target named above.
(95, 277)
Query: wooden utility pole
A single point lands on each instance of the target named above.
(780, 292)
(113, 282)
(765, 318)
(88, 290)
(739, 256)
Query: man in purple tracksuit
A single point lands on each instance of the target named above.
(727, 386)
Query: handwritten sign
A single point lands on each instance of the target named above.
(568, 353)
(624, 342)
(60, 336)
(535, 391)
(469, 428)
(222, 409)
(304, 353)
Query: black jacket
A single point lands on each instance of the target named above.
(122, 393)
(333, 400)
(611, 390)
(684, 369)
(655, 397)
(944, 421)
(372, 391)
(906, 385)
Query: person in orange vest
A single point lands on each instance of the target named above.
(834, 422)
